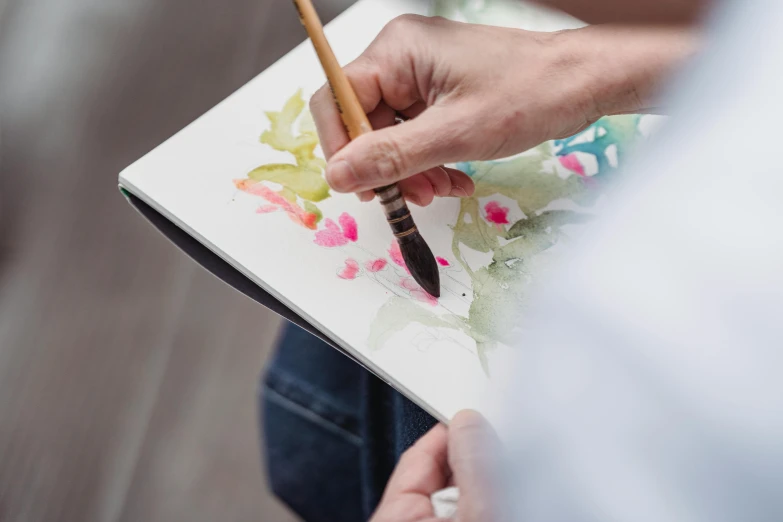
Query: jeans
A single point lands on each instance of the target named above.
(333, 431)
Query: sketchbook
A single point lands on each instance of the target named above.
(241, 190)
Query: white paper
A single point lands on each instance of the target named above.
(191, 180)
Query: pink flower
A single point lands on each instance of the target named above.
(375, 265)
(348, 223)
(334, 236)
(496, 214)
(350, 270)
(572, 163)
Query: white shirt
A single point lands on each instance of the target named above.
(651, 387)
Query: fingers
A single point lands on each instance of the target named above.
(437, 136)
(365, 196)
(462, 185)
(422, 188)
(472, 454)
(421, 471)
(423, 468)
(376, 80)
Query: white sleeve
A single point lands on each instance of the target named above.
(649, 386)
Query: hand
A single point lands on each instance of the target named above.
(462, 454)
(478, 92)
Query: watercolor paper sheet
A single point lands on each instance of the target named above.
(246, 179)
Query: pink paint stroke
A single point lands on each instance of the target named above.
(442, 261)
(266, 209)
(375, 265)
(572, 163)
(416, 292)
(333, 236)
(495, 213)
(296, 213)
(348, 224)
(350, 270)
(330, 236)
(424, 297)
(396, 256)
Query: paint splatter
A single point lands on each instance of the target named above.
(442, 261)
(350, 270)
(495, 213)
(571, 162)
(375, 265)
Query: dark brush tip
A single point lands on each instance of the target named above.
(421, 263)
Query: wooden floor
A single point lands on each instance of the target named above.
(127, 375)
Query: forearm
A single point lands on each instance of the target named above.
(623, 69)
(638, 11)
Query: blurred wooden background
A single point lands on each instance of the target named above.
(127, 374)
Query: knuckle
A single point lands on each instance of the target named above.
(439, 20)
(403, 23)
(389, 160)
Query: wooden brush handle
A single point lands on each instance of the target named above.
(353, 115)
(351, 112)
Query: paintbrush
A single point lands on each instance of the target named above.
(415, 251)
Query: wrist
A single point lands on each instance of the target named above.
(621, 70)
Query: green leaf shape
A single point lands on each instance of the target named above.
(288, 194)
(398, 312)
(550, 219)
(307, 184)
(281, 138)
(312, 208)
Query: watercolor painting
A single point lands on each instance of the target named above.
(521, 209)
(247, 181)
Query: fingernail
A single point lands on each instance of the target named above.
(364, 197)
(341, 176)
(458, 192)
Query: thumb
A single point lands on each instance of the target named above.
(391, 154)
(473, 452)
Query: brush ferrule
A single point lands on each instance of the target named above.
(397, 213)
(391, 199)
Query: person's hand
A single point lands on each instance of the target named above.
(463, 454)
(477, 92)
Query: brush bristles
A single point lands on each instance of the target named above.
(421, 263)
